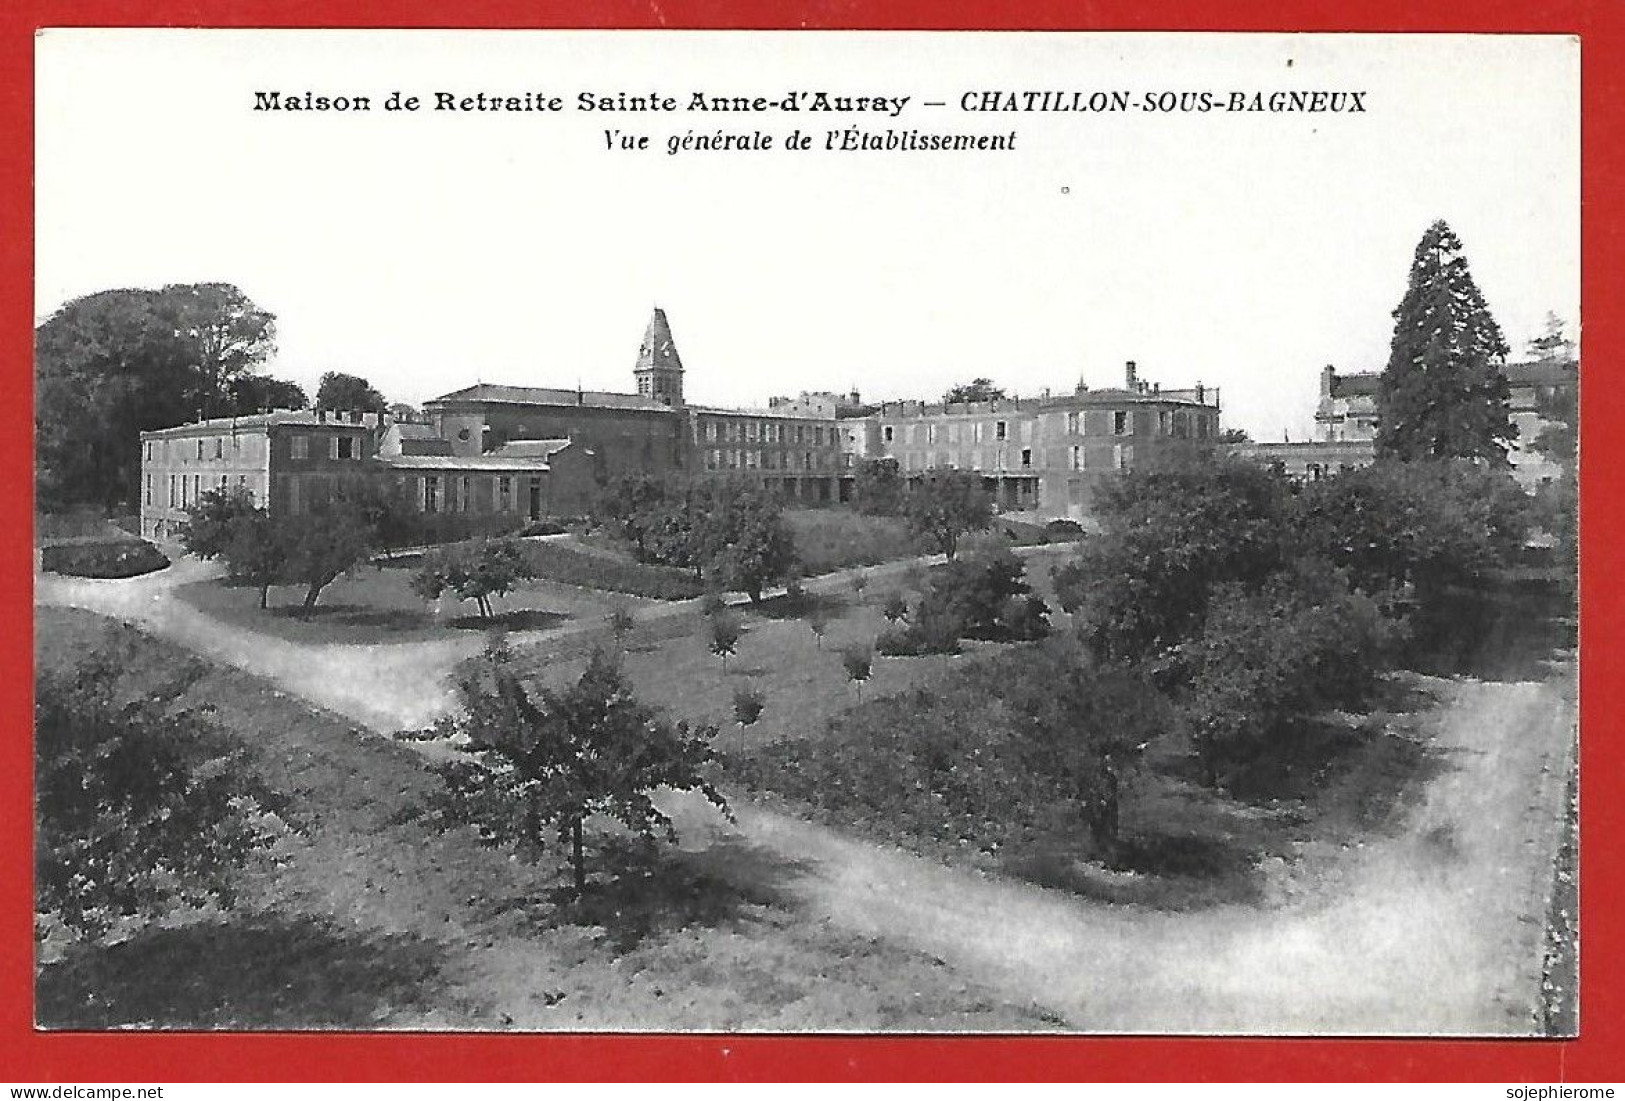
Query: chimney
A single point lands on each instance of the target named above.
(321, 416)
(1131, 375)
(1201, 393)
(1327, 376)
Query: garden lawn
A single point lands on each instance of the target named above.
(369, 919)
(375, 604)
(829, 539)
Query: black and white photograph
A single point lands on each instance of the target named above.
(806, 532)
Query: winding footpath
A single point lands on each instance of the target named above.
(1435, 930)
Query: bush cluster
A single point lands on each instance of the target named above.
(832, 539)
(107, 558)
(981, 595)
(1018, 746)
(595, 571)
(1254, 601)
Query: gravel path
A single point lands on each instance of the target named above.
(1436, 930)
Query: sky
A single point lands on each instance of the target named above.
(429, 250)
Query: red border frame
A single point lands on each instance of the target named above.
(29, 1056)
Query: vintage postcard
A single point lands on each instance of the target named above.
(806, 532)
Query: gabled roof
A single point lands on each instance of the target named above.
(1359, 384)
(538, 395)
(1542, 372)
(529, 448)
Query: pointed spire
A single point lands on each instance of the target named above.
(658, 350)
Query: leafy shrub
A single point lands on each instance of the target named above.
(1023, 745)
(1266, 659)
(748, 705)
(142, 803)
(104, 558)
(833, 539)
(593, 571)
(542, 527)
(979, 595)
(475, 571)
(1062, 528)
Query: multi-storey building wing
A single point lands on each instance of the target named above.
(1047, 453)
(284, 460)
(533, 451)
(1346, 420)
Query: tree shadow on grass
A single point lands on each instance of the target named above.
(784, 607)
(355, 615)
(1162, 870)
(259, 971)
(1494, 636)
(637, 891)
(520, 619)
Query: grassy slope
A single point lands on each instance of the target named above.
(370, 920)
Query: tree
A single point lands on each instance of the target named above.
(476, 570)
(1423, 524)
(256, 552)
(894, 608)
(858, 661)
(724, 633)
(206, 531)
(337, 390)
(748, 705)
(113, 364)
(1553, 343)
(746, 543)
(261, 393)
(877, 487)
(620, 623)
(323, 545)
(628, 504)
(817, 623)
(860, 582)
(226, 336)
(1267, 657)
(141, 801)
(541, 762)
(943, 505)
(1444, 393)
(1169, 536)
(977, 389)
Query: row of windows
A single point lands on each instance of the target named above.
(1169, 422)
(186, 489)
(1076, 457)
(338, 447)
(213, 447)
(750, 458)
(735, 431)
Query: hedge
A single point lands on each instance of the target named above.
(103, 558)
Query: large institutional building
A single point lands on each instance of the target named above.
(1346, 423)
(535, 451)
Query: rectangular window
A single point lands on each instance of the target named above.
(348, 448)
(431, 493)
(1077, 456)
(219, 447)
(1074, 426)
(148, 498)
(464, 492)
(711, 430)
(1165, 424)
(172, 491)
(332, 447)
(750, 431)
(200, 449)
(1120, 423)
(1000, 430)
(1026, 456)
(1122, 456)
(886, 434)
(976, 459)
(149, 451)
(299, 447)
(504, 494)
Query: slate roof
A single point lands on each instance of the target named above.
(540, 395)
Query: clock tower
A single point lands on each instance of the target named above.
(659, 371)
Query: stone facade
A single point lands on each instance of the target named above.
(537, 451)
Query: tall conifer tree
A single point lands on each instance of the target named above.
(1444, 393)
